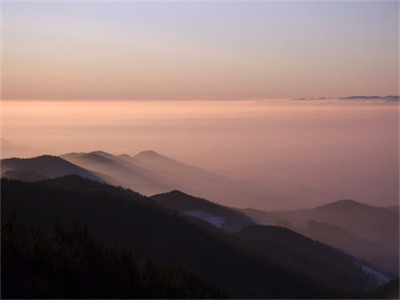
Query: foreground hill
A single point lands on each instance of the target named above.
(367, 232)
(41, 167)
(388, 291)
(152, 173)
(69, 263)
(220, 216)
(120, 216)
(285, 247)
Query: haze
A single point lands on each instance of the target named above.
(264, 133)
(314, 150)
(210, 84)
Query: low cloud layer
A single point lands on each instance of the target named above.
(312, 151)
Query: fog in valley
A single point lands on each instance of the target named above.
(299, 153)
(200, 150)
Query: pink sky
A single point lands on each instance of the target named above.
(127, 50)
(321, 149)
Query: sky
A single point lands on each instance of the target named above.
(318, 151)
(227, 50)
(212, 84)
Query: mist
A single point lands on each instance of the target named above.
(314, 151)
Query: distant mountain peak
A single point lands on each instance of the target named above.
(150, 154)
(41, 157)
(345, 203)
(101, 153)
(177, 192)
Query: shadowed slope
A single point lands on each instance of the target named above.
(287, 248)
(115, 216)
(38, 168)
(70, 264)
(218, 215)
(388, 291)
(122, 171)
(151, 173)
(367, 232)
(306, 256)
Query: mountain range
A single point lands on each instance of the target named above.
(151, 173)
(42, 167)
(220, 216)
(368, 232)
(148, 173)
(133, 221)
(157, 207)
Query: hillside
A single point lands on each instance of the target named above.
(305, 256)
(220, 216)
(69, 263)
(368, 232)
(42, 167)
(137, 223)
(152, 173)
(120, 171)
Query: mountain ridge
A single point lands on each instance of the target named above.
(48, 166)
(365, 231)
(149, 173)
(166, 237)
(218, 215)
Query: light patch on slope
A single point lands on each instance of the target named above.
(382, 279)
(260, 223)
(207, 217)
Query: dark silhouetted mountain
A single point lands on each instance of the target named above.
(364, 220)
(125, 218)
(395, 208)
(220, 216)
(305, 256)
(388, 291)
(363, 97)
(361, 247)
(280, 245)
(23, 175)
(392, 97)
(71, 264)
(41, 167)
(389, 98)
(367, 232)
(151, 173)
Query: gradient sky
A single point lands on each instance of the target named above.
(319, 151)
(128, 50)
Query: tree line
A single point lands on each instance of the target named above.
(69, 263)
